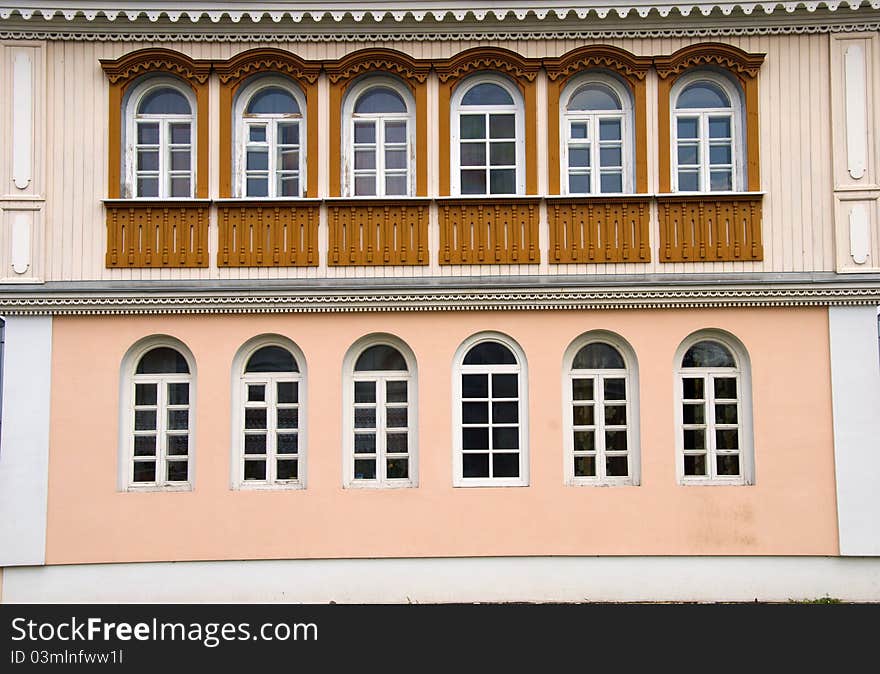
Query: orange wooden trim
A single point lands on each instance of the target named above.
(740, 63)
(313, 157)
(531, 149)
(203, 120)
(489, 231)
(553, 138)
(663, 134)
(632, 68)
(267, 60)
(496, 59)
(226, 141)
(422, 140)
(157, 234)
(155, 59)
(753, 155)
(335, 133)
(445, 140)
(378, 59)
(641, 133)
(114, 144)
(599, 230)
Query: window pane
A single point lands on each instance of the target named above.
(288, 418)
(728, 465)
(145, 445)
(505, 413)
(258, 187)
(254, 444)
(688, 181)
(594, 97)
(178, 420)
(288, 187)
(616, 466)
(583, 415)
(162, 360)
(609, 129)
(615, 441)
(257, 134)
(719, 127)
(364, 132)
(579, 157)
(688, 127)
(695, 439)
(255, 418)
(505, 386)
(364, 159)
(579, 130)
(255, 470)
(505, 438)
(502, 181)
(475, 465)
(475, 438)
(288, 392)
(164, 101)
(585, 466)
(144, 471)
(708, 354)
(505, 465)
(720, 181)
(487, 94)
(584, 441)
(395, 159)
(396, 417)
(288, 160)
(148, 187)
(365, 443)
(288, 469)
(365, 418)
(288, 443)
(395, 185)
(148, 133)
(395, 132)
(148, 160)
(178, 394)
(611, 183)
(489, 353)
(720, 154)
(145, 420)
(726, 439)
(473, 182)
(473, 154)
(271, 359)
(365, 469)
(472, 126)
(365, 392)
(396, 443)
(598, 356)
(365, 186)
(695, 465)
(180, 133)
(177, 471)
(610, 156)
(692, 388)
(579, 184)
(395, 391)
(180, 187)
(178, 445)
(703, 95)
(582, 389)
(145, 394)
(693, 414)
(272, 101)
(397, 469)
(688, 154)
(475, 413)
(725, 414)
(288, 133)
(502, 154)
(380, 357)
(379, 99)
(502, 126)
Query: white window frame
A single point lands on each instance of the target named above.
(456, 109)
(349, 117)
(127, 382)
(737, 142)
(349, 377)
(592, 118)
(459, 369)
(243, 122)
(633, 440)
(131, 118)
(240, 380)
(742, 373)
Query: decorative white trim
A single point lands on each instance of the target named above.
(855, 88)
(21, 241)
(22, 119)
(859, 233)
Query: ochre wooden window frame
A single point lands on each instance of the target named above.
(411, 72)
(235, 73)
(126, 71)
(632, 71)
(743, 67)
(522, 71)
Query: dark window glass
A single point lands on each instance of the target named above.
(598, 356)
(164, 101)
(490, 353)
(272, 101)
(271, 359)
(594, 97)
(162, 360)
(379, 100)
(380, 357)
(487, 94)
(703, 95)
(708, 354)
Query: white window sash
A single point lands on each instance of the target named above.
(161, 382)
(381, 405)
(270, 404)
(703, 142)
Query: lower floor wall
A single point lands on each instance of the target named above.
(440, 580)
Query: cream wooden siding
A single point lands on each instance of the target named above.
(795, 123)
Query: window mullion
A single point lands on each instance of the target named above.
(380, 156)
(599, 424)
(710, 425)
(271, 164)
(271, 429)
(380, 429)
(161, 427)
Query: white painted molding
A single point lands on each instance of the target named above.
(22, 118)
(21, 241)
(859, 234)
(855, 86)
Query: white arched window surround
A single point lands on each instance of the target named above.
(592, 389)
(382, 402)
(701, 139)
(378, 156)
(128, 381)
(159, 149)
(240, 385)
(592, 130)
(276, 133)
(459, 371)
(716, 402)
(481, 134)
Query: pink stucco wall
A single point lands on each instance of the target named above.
(789, 511)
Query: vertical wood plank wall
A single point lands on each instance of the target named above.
(795, 131)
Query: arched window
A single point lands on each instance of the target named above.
(380, 414)
(489, 413)
(714, 411)
(488, 152)
(597, 146)
(268, 428)
(707, 123)
(160, 140)
(601, 415)
(379, 142)
(270, 154)
(157, 425)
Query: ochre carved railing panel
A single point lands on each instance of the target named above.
(157, 234)
(267, 234)
(489, 231)
(380, 232)
(612, 229)
(710, 228)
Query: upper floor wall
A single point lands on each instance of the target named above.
(805, 205)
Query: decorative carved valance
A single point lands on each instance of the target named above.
(378, 60)
(619, 60)
(267, 60)
(726, 56)
(124, 69)
(488, 58)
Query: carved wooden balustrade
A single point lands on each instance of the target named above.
(710, 228)
(268, 234)
(599, 229)
(157, 234)
(377, 232)
(489, 231)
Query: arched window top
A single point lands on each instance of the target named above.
(380, 357)
(487, 93)
(490, 353)
(164, 101)
(380, 100)
(162, 360)
(703, 94)
(271, 359)
(708, 353)
(598, 356)
(594, 96)
(272, 100)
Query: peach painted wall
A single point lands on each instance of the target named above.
(789, 511)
